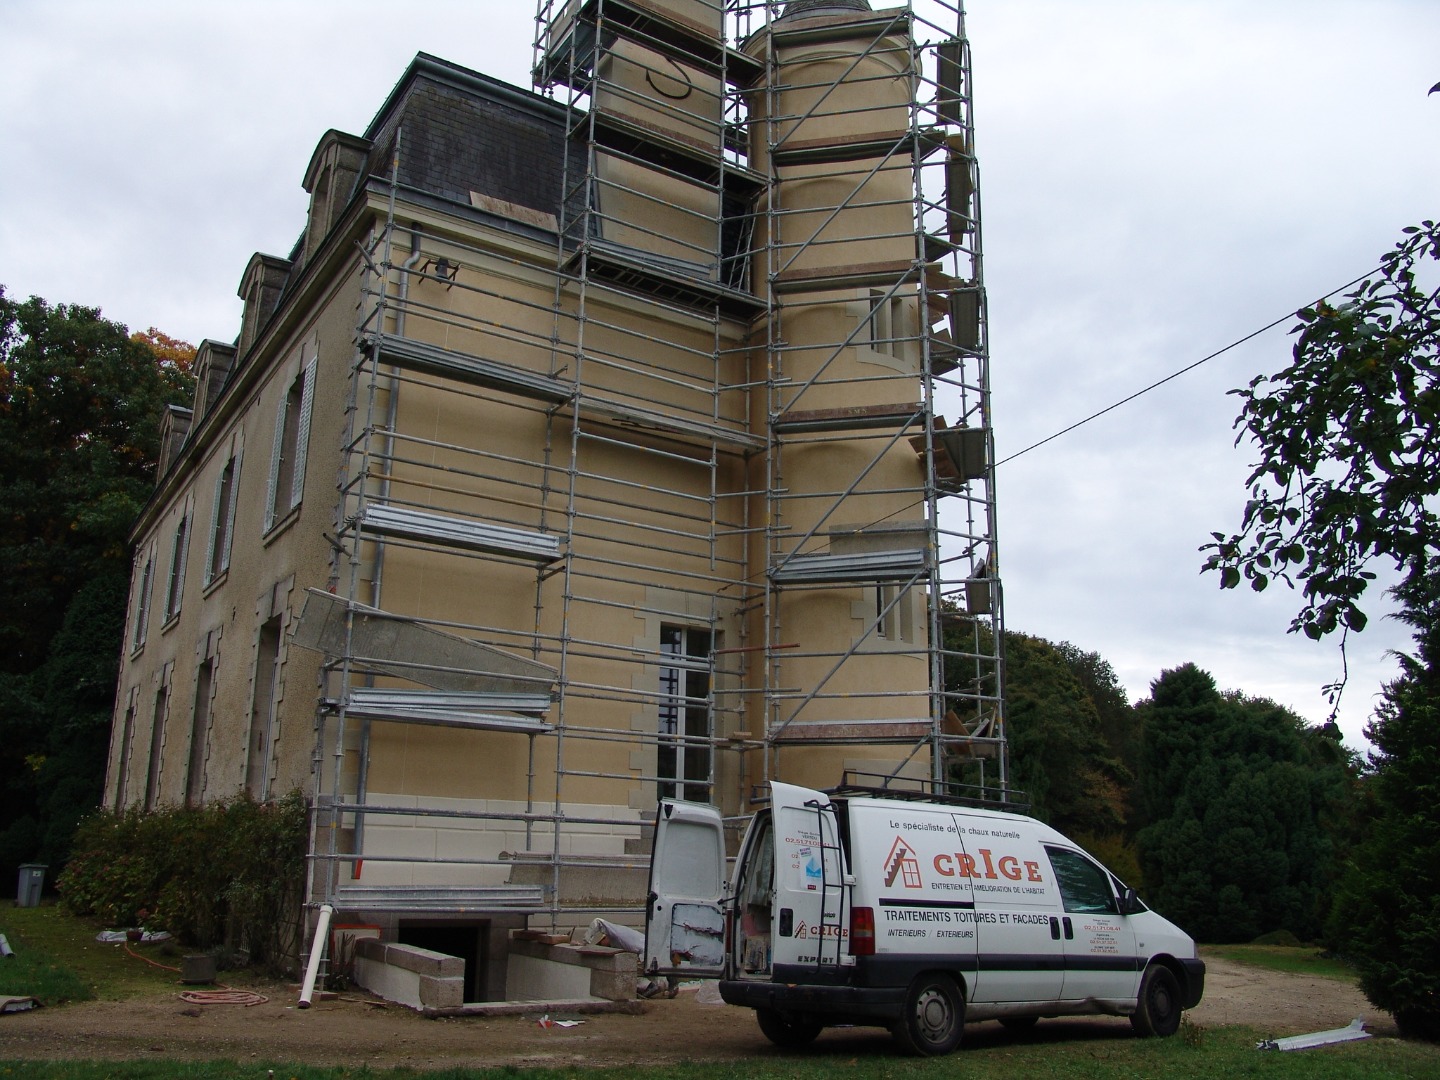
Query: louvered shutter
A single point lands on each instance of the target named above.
(302, 434)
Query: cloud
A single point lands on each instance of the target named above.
(1159, 180)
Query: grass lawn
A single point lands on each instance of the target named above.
(1221, 1055)
(57, 959)
(1301, 960)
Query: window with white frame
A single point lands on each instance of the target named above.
(175, 584)
(141, 625)
(886, 327)
(292, 437)
(894, 613)
(686, 750)
(222, 519)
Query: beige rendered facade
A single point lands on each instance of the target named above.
(588, 448)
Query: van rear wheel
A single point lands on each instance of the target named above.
(1157, 1012)
(787, 1031)
(934, 1016)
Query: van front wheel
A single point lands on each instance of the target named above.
(1157, 1012)
(934, 1016)
(786, 1031)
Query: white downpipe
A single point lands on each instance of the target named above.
(317, 950)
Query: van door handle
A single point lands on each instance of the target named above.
(787, 921)
(1069, 930)
(1054, 928)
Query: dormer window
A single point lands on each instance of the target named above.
(334, 170)
(174, 429)
(213, 361)
(260, 288)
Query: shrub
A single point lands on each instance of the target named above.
(228, 871)
(1386, 916)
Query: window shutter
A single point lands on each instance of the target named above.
(275, 454)
(217, 515)
(302, 434)
(142, 610)
(176, 582)
(183, 544)
(230, 505)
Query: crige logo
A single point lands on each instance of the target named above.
(901, 864)
(824, 930)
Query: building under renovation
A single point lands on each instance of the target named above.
(622, 438)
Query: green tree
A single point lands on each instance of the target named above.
(1057, 754)
(1240, 801)
(1119, 722)
(1386, 917)
(1349, 462)
(80, 410)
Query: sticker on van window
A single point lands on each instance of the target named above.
(814, 873)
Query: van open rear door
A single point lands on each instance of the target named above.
(684, 923)
(811, 883)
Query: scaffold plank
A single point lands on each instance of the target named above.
(447, 531)
(847, 418)
(852, 569)
(431, 359)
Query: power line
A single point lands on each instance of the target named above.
(1175, 375)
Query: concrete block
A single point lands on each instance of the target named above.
(388, 982)
(608, 960)
(442, 993)
(531, 979)
(614, 985)
(423, 962)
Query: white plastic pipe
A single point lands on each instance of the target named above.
(317, 950)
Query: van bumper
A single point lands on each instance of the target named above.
(1194, 988)
(837, 1002)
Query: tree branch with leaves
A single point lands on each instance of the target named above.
(1349, 458)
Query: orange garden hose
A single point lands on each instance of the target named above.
(226, 995)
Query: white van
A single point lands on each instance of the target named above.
(861, 906)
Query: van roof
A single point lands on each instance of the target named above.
(908, 802)
(1014, 803)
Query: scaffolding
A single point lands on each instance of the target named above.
(670, 506)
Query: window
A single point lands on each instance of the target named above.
(222, 520)
(157, 746)
(127, 732)
(1084, 887)
(894, 613)
(263, 709)
(885, 325)
(685, 753)
(142, 604)
(199, 733)
(174, 591)
(292, 436)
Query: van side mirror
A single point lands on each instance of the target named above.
(1130, 903)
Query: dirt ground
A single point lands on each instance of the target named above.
(351, 1030)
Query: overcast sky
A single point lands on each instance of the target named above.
(1160, 178)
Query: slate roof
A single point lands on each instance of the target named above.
(464, 131)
